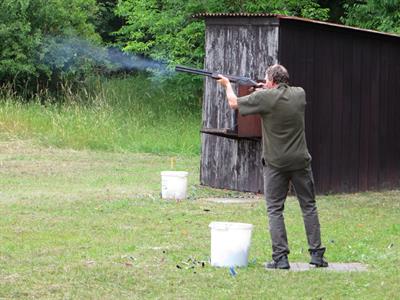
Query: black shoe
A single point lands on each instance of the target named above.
(317, 258)
(281, 263)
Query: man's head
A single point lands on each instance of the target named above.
(275, 75)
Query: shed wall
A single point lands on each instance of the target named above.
(239, 46)
(352, 116)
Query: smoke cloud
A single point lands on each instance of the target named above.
(70, 54)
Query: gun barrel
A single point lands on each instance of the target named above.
(214, 75)
(192, 70)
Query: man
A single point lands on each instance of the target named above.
(285, 159)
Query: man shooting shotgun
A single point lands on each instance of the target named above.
(285, 158)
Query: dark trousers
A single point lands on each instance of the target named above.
(276, 187)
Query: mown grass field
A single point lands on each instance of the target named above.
(81, 215)
(84, 224)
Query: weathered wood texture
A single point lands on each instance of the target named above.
(351, 79)
(241, 46)
(353, 111)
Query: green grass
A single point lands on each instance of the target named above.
(81, 215)
(91, 225)
(134, 114)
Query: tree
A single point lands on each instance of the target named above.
(383, 15)
(31, 29)
(336, 8)
(165, 30)
(106, 21)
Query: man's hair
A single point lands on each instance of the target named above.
(278, 74)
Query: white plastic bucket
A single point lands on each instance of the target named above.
(230, 244)
(174, 184)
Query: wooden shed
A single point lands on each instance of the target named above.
(351, 77)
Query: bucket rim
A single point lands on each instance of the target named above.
(230, 225)
(175, 173)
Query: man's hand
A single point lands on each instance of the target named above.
(259, 87)
(223, 81)
(230, 94)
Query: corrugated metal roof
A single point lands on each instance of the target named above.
(257, 15)
(203, 15)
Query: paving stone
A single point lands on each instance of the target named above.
(233, 200)
(339, 267)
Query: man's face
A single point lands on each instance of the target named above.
(268, 83)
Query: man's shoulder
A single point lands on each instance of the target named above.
(296, 92)
(278, 91)
(263, 94)
(297, 89)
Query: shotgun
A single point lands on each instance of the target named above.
(214, 75)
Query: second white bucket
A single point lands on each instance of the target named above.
(174, 184)
(230, 244)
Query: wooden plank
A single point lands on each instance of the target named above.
(389, 118)
(365, 94)
(384, 82)
(374, 106)
(395, 99)
(337, 91)
(309, 78)
(346, 136)
(223, 132)
(248, 126)
(393, 150)
(249, 168)
(354, 124)
(322, 112)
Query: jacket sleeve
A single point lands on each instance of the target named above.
(258, 102)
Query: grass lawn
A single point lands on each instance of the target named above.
(91, 225)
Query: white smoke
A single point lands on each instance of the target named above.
(71, 53)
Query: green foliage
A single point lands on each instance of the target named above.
(135, 114)
(27, 29)
(106, 21)
(383, 15)
(156, 29)
(336, 9)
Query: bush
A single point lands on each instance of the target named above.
(30, 31)
(155, 29)
(383, 15)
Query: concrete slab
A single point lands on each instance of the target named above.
(233, 200)
(338, 267)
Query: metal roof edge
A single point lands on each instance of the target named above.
(243, 14)
(338, 25)
(269, 15)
